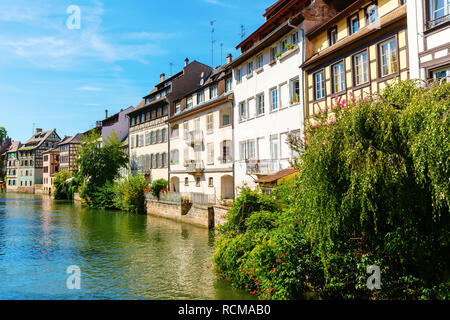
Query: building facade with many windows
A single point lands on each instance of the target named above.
(51, 166)
(68, 152)
(268, 93)
(31, 159)
(148, 127)
(201, 133)
(354, 52)
(429, 34)
(12, 167)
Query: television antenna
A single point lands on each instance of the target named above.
(212, 42)
(242, 34)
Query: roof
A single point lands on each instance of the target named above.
(14, 146)
(277, 176)
(36, 140)
(74, 139)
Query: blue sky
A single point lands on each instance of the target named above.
(55, 77)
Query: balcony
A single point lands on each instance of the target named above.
(225, 159)
(193, 138)
(263, 167)
(194, 166)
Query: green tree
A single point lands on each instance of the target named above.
(158, 186)
(99, 166)
(62, 189)
(3, 134)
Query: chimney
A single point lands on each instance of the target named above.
(186, 62)
(229, 58)
(162, 77)
(106, 114)
(38, 130)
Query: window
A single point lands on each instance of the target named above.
(243, 150)
(175, 157)
(159, 160)
(132, 142)
(210, 123)
(243, 110)
(319, 85)
(250, 67)
(158, 136)
(295, 90)
(189, 103)
(273, 53)
(211, 182)
(141, 140)
(284, 45)
(175, 131)
(45, 159)
(153, 137)
(186, 181)
(154, 164)
(371, 14)
(388, 55)
(177, 107)
(226, 117)
(239, 75)
(438, 75)
(354, 24)
(228, 85)
(197, 181)
(274, 147)
(260, 104)
(201, 97)
(439, 12)
(251, 149)
(154, 115)
(164, 160)
(213, 91)
(165, 110)
(185, 130)
(338, 77)
(147, 138)
(360, 68)
(210, 153)
(164, 135)
(273, 99)
(294, 38)
(226, 151)
(260, 61)
(132, 123)
(332, 36)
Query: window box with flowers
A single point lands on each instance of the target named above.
(291, 48)
(225, 159)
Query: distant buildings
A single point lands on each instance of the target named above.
(31, 159)
(51, 164)
(68, 152)
(12, 166)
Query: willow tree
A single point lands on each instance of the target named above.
(374, 187)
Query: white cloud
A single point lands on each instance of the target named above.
(88, 88)
(216, 2)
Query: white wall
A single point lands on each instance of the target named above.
(287, 118)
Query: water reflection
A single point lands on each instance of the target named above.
(121, 256)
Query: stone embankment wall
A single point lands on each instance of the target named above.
(201, 215)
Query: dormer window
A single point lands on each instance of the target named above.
(213, 91)
(332, 36)
(354, 24)
(189, 103)
(371, 14)
(177, 107)
(201, 97)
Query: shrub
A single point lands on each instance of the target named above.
(158, 186)
(130, 194)
(62, 189)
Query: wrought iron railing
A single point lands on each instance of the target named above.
(263, 166)
(438, 21)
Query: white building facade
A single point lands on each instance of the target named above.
(429, 34)
(201, 145)
(268, 99)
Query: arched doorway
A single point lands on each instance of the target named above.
(226, 186)
(175, 184)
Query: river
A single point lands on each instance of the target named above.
(120, 255)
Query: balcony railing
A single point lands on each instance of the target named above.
(225, 159)
(263, 167)
(194, 166)
(438, 21)
(194, 137)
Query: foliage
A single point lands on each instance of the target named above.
(158, 186)
(98, 168)
(62, 189)
(3, 134)
(374, 183)
(372, 189)
(130, 195)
